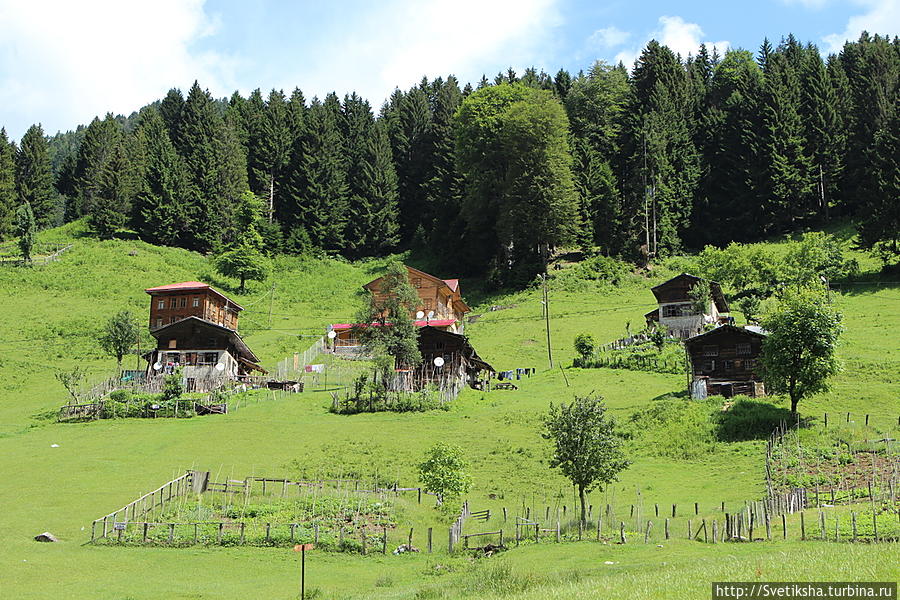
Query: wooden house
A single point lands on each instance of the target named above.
(725, 361)
(459, 362)
(195, 328)
(173, 302)
(676, 310)
(440, 306)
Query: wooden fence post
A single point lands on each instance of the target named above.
(146, 527)
(384, 542)
(218, 537)
(647, 533)
(622, 532)
(715, 531)
(673, 511)
(802, 526)
(783, 526)
(853, 524)
(667, 527)
(690, 533)
(429, 540)
(599, 525)
(171, 532)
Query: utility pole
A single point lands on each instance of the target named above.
(546, 303)
(271, 301)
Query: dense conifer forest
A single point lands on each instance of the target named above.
(675, 154)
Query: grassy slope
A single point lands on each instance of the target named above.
(102, 465)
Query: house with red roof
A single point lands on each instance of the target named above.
(195, 327)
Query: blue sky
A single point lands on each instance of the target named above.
(62, 63)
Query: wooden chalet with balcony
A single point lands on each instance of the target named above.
(440, 304)
(195, 328)
(725, 361)
(677, 310)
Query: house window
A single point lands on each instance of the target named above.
(417, 282)
(161, 304)
(183, 302)
(173, 303)
(750, 364)
(429, 304)
(173, 344)
(710, 350)
(709, 366)
(210, 358)
(728, 365)
(159, 322)
(671, 310)
(743, 350)
(196, 302)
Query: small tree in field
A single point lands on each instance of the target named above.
(70, 380)
(798, 356)
(584, 346)
(119, 335)
(443, 472)
(25, 230)
(586, 447)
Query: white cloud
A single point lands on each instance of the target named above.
(406, 39)
(62, 63)
(881, 16)
(609, 37)
(680, 36)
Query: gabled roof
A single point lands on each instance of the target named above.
(453, 284)
(191, 286)
(687, 278)
(724, 329)
(244, 352)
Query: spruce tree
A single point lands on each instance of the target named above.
(8, 198)
(444, 188)
(100, 141)
(170, 110)
(879, 226)
(112, 195)
(318, 187)
(216, 165)
(26, 230)
(165, 193)
(663, 162)
(34, 180)
(789, 186)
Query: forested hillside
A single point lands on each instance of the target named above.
(677, 153)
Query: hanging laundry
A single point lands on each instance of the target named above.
(308, 368)
(318, 368)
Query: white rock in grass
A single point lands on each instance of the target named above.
(609, 562)
(54, 445)
(45, 537)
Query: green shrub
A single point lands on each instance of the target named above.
(749, 419)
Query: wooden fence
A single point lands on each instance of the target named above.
(157, 499)
(53, 251)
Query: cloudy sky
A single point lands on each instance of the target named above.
(63, 62)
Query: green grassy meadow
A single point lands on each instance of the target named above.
(51, 313)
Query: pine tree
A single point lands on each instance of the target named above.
(789, 188)
(444, 188)
(26, 229)
(873, 70)
(663, 163)
(318, 187)
(823, 130)
(96, 150)
(411, 142)
(880, 218)
(164, 194)
(216, 165)
(170, 109)
(34, 180)
(8, 198)
(112, 196)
